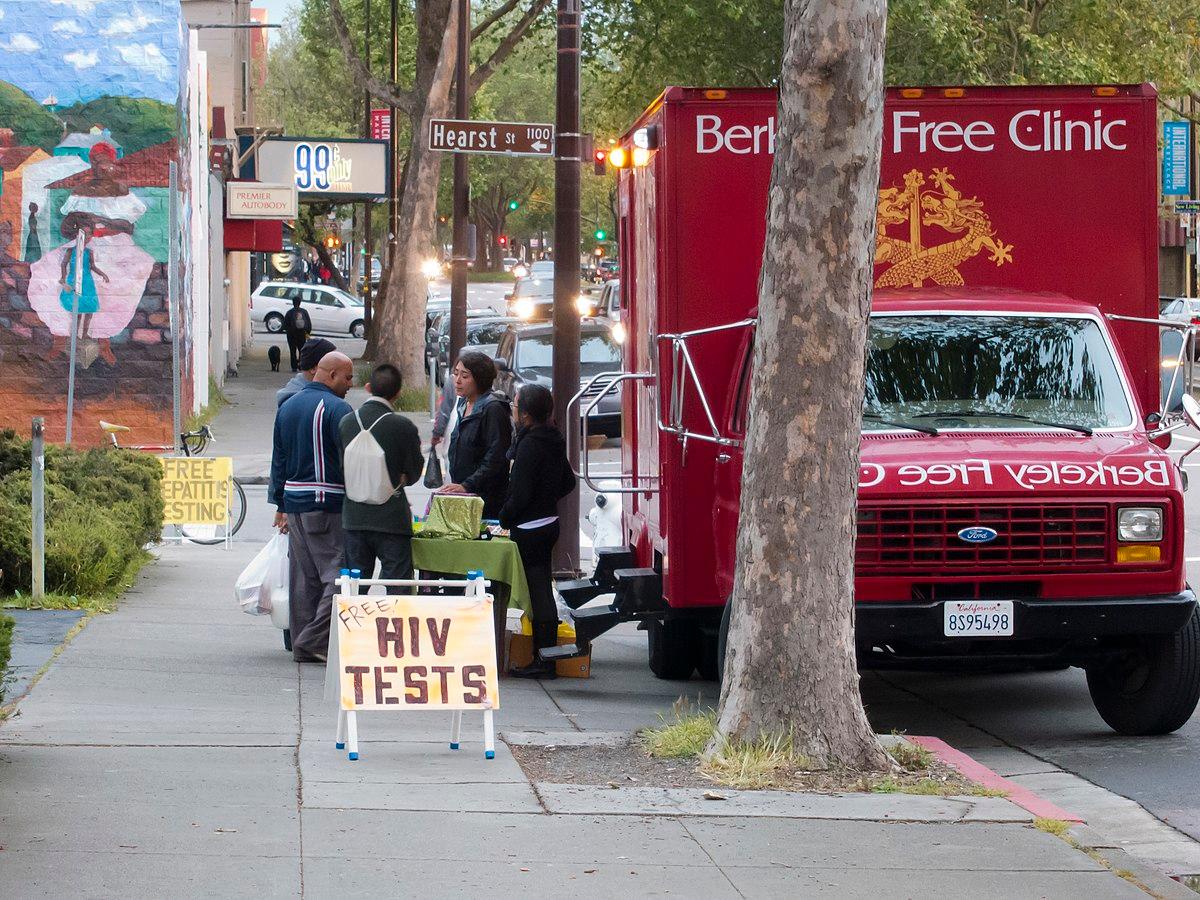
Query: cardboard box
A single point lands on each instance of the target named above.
(520, 653)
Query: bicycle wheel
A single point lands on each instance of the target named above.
(209, 535)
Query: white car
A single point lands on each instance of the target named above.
(332, 311)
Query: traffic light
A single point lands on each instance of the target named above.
(502, 240)
(600, 160)
(514, 205)
(329, 242)
(601, 234)
(618, 158)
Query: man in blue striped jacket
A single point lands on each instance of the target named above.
(307, 484)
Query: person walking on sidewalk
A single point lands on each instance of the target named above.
(541, 476)
(298, 326)
(383, 531)
(306, 482)
(311, 353)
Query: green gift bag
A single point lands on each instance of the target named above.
(454, 516)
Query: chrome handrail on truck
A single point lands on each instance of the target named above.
(617, 378)
(681, 364)
(1184, 363)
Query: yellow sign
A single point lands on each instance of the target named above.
(416, 652)
(910, 261)
(195, 490)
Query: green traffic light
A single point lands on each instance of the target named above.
(601, 234)
(514, 205)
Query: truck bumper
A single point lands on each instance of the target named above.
(1033, 620)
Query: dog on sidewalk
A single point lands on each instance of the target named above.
(274, 355)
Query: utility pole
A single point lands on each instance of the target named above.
(566, 269)
(462, 199)
(393, 205)
(367, 243)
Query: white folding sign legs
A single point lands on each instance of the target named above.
(347, 719)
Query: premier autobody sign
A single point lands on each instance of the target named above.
(1025, 476)
(251, 200)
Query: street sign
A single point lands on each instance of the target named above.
(491, 138)
(381, 124)
(326, 168)
(252, 200)
(1176, 158)
(1187, 207)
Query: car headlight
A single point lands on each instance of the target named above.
(1139, 523)
(520, 271)
(583, 305)
(523, 308)
(619, 334)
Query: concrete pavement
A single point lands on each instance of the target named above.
(174, 749)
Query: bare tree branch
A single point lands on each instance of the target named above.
(1166, 104)
(500, 12)
(381, 89)
(507, 45)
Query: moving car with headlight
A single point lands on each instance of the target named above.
(525, 355)
(532, 299)
(331, 310)
(1016, 503)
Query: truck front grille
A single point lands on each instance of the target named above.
(1033, 537)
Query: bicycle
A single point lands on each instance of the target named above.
(193, 443)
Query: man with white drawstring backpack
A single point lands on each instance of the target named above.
(381, 454)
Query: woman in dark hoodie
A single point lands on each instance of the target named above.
(541, 476)
(479, 445)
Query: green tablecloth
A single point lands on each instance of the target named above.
(498, 559)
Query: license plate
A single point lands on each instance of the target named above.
(978, 618)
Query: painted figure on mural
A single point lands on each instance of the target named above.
(87, 303)
(33, 244)
(111, 212)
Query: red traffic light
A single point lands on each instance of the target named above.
(600, 160)
(503, 240)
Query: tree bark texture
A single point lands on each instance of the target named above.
(791, 662)
(398, 318)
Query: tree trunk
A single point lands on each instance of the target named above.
(791, 661)
(335, 274)
(400, 332)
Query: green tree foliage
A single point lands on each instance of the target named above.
(135, 122)
(32, 123)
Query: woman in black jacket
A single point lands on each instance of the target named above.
(540, 477)
(479, 445)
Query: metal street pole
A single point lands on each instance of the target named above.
(394, 195)
(367, 243)
(39, 507)
(462, 199)
(566, 269)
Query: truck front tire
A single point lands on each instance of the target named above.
(1153, 689)
(673, 648)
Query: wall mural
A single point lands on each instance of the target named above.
(89, 123)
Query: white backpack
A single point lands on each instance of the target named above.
(365, 467)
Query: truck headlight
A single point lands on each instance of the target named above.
(523, 308)
(1139, 523)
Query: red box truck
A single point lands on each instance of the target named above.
(1017, 506)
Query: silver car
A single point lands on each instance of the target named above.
(332, 310)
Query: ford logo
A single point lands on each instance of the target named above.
(978, 534)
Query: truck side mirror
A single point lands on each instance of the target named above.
(1191, 410)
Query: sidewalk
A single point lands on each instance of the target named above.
(175, 750)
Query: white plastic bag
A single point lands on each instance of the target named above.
(263, 585)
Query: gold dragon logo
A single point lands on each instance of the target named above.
(910, 263)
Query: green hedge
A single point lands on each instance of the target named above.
(102, 508)
(6, 630)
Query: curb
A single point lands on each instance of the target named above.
(1090, 841)
(1080, 835)
(981, 774)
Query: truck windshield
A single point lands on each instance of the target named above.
(952, 371)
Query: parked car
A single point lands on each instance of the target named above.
(483, 333)
(332, 310)
(525, 355)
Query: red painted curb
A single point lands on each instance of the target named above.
(981, 774)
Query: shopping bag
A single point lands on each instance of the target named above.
(433, 470)
(263, 584)
(275, 591)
